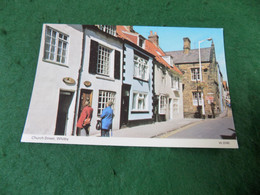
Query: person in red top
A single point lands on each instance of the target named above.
(86, 113)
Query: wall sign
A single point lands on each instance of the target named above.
(69, 80)
(87, 83)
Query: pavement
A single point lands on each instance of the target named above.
(158, 129)
(151, 130)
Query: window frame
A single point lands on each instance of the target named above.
(107, 72)
(56, 46)
(139, 96)
(139, 64)
(109, 95)
(195, 76)
(195, 98)
(175, 82)
(163, 104)
(110, 29)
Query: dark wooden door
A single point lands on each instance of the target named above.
(84, 96)
(63, 109)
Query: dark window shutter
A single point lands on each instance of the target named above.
(117, 65)
(93, 57)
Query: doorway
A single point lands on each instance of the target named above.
(85, 95)
(65, 99)
(125, 104)
(171, 108)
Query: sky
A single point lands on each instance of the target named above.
(171, 39)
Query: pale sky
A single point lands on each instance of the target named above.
(171, 39)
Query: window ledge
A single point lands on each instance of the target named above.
(52, 62)
(139, 112)
(140, 79)
(105, 78)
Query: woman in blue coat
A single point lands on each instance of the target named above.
(106, 119)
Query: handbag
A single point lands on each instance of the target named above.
(98, 125)
(86, 122)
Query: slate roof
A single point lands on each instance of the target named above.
(179, 57)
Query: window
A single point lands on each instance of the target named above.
(110, 29)
(175, 106)
(140, 68)
(162, 104)
(195, 97)
(56, 46)
(139, 102)
(103, 60)
(175, 82)
(195, 74)
(103, 98)
(141, 42)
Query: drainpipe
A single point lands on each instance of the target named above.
(78, 84)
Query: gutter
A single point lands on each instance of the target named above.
(78, 83)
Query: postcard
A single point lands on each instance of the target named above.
(140, 86)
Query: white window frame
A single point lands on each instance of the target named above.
(56, 46)
(162, 104)
(140, 97)
(104, 60)
(103, 98)
(195, 99)
(195, 74)
(175, 82)
(141, 70)
(110, 29)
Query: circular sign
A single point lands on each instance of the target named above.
(69, 80)
(87, 83)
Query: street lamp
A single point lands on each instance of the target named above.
(203, 107)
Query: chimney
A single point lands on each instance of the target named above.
(154, 38)
(186, 45)
(129, 28)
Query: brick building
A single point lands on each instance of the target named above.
(201, 96)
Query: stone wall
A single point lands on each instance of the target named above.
(210, 89)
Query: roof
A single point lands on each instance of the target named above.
(179, 57)
(158, 52)
(124, 33)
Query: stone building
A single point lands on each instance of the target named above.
(200, 88)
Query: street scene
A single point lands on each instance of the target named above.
(221, 127)
(130, 82)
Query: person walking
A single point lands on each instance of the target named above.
(85, 119)
(106, 119)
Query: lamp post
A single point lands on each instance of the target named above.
(203, 107)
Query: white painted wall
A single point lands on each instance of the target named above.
(42, 114)
(165, 89)
(100, 82)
